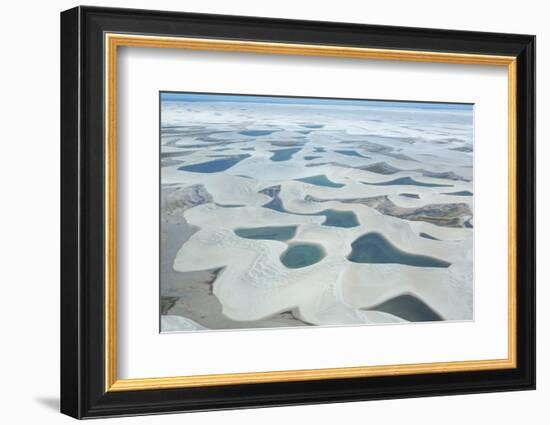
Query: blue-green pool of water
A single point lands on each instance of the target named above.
(256, 133)
(272, 233)
(302, 255)
(428, 236)
(408, 307)
(214, 166)
(336, 218)
(320, 180)
(460, 193)
(284, 154)
(351, 153)
(374, 248)
(407, 181)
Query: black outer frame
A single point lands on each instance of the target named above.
(82, 203)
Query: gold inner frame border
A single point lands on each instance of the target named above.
(111, 43)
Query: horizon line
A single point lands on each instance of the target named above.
(173, 96)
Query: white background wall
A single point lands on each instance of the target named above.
(29, 224)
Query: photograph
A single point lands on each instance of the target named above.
(285, 211)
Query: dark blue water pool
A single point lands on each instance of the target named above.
(320, 180)
(410, 195)
(313, 125)
(310, 157)
(230, 205)
(214, 166)
(374, 248)
(351, 153)
(257, 133)
(460, 193)
(407, 181)
(275, 204)
(272, 233)
(334, 218)
(284, 154)
(302, 255)
(428, 236)
(408, 307)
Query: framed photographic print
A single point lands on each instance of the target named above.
(261, 212)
